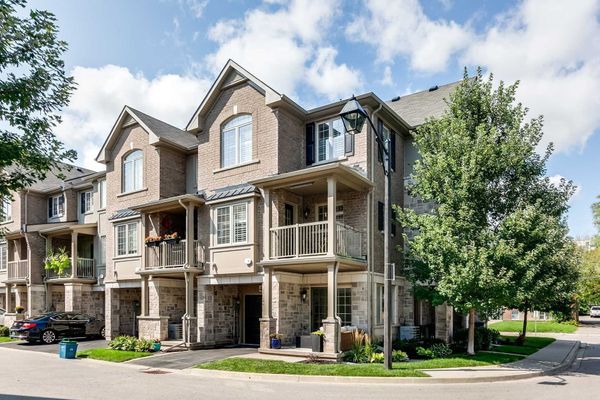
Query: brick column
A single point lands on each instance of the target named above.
(205, 313)
(73, 297)
(36, 303)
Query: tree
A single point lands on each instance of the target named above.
(589, 282)
(33, 90)
(479, 166)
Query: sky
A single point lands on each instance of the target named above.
(161, 56)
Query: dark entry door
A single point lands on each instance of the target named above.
(252, 313)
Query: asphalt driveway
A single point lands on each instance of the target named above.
(187, 359)
(83, 344)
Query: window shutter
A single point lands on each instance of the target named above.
(50, 207)
(393, 150)
(380, 216)
(393, 229)
(348, 143)
(380, 134)
(310, 143)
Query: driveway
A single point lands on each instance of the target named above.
(83, 344)
(187, 359)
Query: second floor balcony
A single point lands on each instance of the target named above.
(18, 270)
(86, 269)
(172, 254)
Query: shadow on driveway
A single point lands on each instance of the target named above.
(188, 359)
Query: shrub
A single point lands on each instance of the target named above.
(358, 353)
(441, 350)
(399, 356)
(484, 338)
(422, 352)
(377, 358)
(131, 343)
(4, 331)
(144, 345)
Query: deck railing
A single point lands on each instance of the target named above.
(311, 239)
(85, 270)
(172, 254)
(18, 269)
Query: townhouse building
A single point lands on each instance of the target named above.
(258, 217)
(55, 214)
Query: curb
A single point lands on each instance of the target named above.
(246, 376)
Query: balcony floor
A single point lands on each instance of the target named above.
(315, 264)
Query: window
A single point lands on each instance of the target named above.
(380, 304)
(133, 171)
(127, 238)
(232, 224)
(330, 140)
(56, 206)
(236, 141)
(322, 212)
(6, 210)
(85, 202)
(3, 256)
(344, 305)
(102, 192)
(318, 307)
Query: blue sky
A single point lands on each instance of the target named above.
(161, 56)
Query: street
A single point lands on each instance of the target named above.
(43, 376)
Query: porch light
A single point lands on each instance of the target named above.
(353, 116)
(303, 295)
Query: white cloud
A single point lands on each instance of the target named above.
(552, 48)
(102, 93)
(387, 78)
(401, 28)
(195, 6)
(284, 44)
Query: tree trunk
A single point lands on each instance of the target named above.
(525, 321)
(471, 343)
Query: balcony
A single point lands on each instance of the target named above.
(18, 270)
(86, 269)
(169, 255)
(311, 239)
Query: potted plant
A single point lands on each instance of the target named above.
(317, 340)
(58, 261)
(156, 345)
(152, 241)
(171, 238)
(275, 340)
(20, 313)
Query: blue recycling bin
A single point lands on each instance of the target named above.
(67, 349)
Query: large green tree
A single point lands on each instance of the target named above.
(33, 89)
(478, 164)
(589, 282)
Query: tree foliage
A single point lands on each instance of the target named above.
(479, 166)
(33, 90)
(589, 283)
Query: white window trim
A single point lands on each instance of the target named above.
(3, 248)
(231, 225)
(6, 203)
(102, 194)
(238, 147)
(330, 139)
(58, 214)
(338, 203)
(91, 202)
(124, 178)
(116, 239)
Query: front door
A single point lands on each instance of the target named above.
(289, 214)
(252, 313)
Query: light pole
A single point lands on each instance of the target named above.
(354, 116)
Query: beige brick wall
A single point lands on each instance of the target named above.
(172, 172)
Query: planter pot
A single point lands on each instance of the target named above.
(173, 241)
(275, 343)
(156, 347)
(154, 243)
(19, 317)
(316, 343)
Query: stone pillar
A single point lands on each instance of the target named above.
(36, 303)
(331, 222)
(155, 325)
(205, 312)
(267, 322)
(73, 297)
(443, 322)
(73, 257)
(111, 312)
(331, 325)
(10, 307)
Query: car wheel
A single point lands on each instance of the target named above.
(102, 333)
(48, 337)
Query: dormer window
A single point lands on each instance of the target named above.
(133, 171)
(56, 206)
(236, 141)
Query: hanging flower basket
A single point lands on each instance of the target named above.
(153, 241)
(172, 238)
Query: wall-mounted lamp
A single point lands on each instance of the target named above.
(303, 295)
(306, 212)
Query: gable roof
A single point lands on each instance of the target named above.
(416, 108)
(159, 131)
(232, 73)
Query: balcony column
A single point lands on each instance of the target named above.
(331, 205)
(74, 254)
(144, 297)
(189, 235)
(331, 326)
(267, 323)
(266, 224)
(10, 308)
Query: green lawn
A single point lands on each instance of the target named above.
(5, 339)
(540, 326)
(406, 369)
(531, 345)
(111, 355)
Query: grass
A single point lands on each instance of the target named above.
(531, 345)
(6, 339)
(406, 369)
(111, 355)
(540, 326)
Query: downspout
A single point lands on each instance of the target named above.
(371, 231)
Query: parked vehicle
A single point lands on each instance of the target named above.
(595, 312)
(52, 326)
(2, 312)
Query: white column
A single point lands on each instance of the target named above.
(331, 291)
(189, 235)
(74, 254)
(266, 223)
(267, 289)
(331, 225)
(144, 297)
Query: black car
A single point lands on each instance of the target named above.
(52, 326)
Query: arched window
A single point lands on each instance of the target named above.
(133, 171)
(236, 141)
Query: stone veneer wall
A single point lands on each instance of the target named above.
(57, 299)
(92, 303)
(292, 316)
(218, 314)
(172, 303)
(127, 320)
(405, 307)
(360, 305)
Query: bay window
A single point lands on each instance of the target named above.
(232, 224)
(126, 238)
